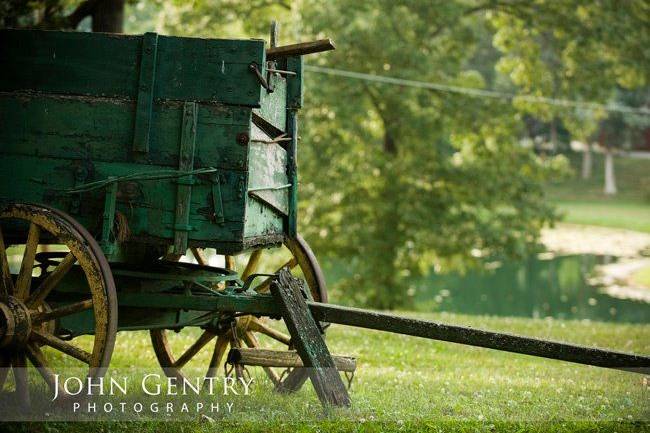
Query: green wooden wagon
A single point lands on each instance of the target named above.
(122, 157)
(122, 153)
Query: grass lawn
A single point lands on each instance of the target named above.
(583, 202)
(413, 385)
(614, 213)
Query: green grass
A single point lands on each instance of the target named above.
(409, 384)
(614, 213)
(583, 201)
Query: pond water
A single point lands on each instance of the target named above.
(557, 287)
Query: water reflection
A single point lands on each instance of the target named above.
(556, 287)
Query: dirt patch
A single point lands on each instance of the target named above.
(580, 239)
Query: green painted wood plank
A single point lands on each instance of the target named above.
(101, 64)
(294, 84)
(308, 340)
(267, 165)
(101, 129)
(148, 205)
(184, 193)
(146, 82)
(273, 105)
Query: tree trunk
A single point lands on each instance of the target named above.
(108, 16)
(610, 179)
(586, 162)
(554, 136)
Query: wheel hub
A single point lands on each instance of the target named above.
(15, 322)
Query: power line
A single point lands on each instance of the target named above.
(477, 93)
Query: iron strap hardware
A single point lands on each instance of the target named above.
(141, 176)
(217, 200)
(256, 70)
(281, 72)
(144, 105)
(108, 218)
(184, 191)
(270, 188)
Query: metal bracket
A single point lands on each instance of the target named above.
(108, 218)
(185, 163)
(253, 67)
(217, 200)
(144, 105)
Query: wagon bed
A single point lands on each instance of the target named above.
(202, 149)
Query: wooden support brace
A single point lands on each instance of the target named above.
(282, 358)
(146, 82)
(308, 341)
(186, 164)
(108, 218)
(292, 174)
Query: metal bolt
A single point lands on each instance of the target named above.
(242, 138)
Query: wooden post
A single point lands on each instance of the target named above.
(308, 341)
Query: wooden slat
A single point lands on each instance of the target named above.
(282, 358)
(188, 69)
(308, 341)
(144, 106)
(64, 133)
(185, 163)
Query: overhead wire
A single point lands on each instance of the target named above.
(479, 93)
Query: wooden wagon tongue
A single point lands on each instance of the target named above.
(304, 318)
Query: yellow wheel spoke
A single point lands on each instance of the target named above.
(27, 266)
(230, 262)
(251, 266)
(60, 345)
(39, 295)
(199, 256)
(251, 341)
(5, 364)
(257, 326)
(194, 349)
(219, 351)
(66, 310)
(265, 285)
(6, 283)
(20, 377)
(38, 360)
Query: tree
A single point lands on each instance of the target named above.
(106, 15)
(619, 130)
(396, 179)
(584, 51)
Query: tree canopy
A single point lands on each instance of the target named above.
(396, 180)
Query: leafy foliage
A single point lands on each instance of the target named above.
(395, 179)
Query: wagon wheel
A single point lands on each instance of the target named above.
(31, 308)
(249, 331)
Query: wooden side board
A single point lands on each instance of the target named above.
(99, 64)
